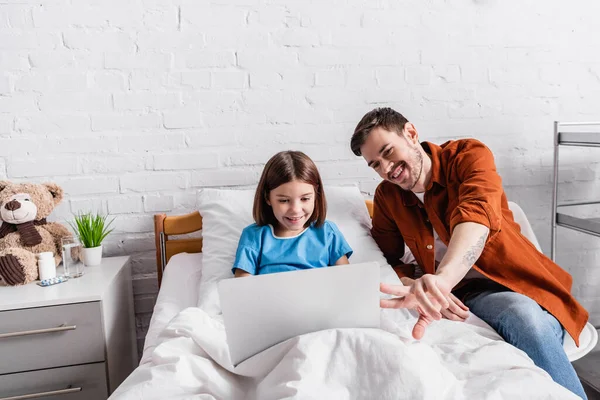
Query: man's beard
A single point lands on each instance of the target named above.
(419, 157)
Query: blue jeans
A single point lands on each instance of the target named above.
(528, 327)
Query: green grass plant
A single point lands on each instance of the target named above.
(91, 229)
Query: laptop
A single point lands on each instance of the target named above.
(263, 310)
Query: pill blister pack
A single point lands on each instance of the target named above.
(53, 281)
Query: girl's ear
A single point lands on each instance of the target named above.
(267, 199)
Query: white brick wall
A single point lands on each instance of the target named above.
(132, 106)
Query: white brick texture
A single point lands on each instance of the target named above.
(133, 106)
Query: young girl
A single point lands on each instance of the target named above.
(290, 232)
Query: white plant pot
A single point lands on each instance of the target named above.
(92, 256)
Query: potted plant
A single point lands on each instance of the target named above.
(91, 230)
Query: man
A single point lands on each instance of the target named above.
(447, 204)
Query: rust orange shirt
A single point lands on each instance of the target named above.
(465, 187)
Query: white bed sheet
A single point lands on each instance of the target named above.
(178, 291)
(453, 361)
(186, 356)
(180, 287)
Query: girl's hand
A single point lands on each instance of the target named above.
(240, 273)
(342, 261)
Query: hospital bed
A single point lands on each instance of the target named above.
(176, 346)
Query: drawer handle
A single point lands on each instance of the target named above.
(44, 394)
(38, 331)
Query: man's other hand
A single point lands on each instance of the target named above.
(456, 310)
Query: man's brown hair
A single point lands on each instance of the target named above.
(285, 167)
(386, 118)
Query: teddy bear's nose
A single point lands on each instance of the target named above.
(12, 205)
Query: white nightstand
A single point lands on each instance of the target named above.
(75, 339)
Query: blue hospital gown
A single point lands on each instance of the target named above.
(261, 252)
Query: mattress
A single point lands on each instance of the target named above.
(179, 290)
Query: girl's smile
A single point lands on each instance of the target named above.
(293, 204)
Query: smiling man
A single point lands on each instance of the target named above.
(447, 204)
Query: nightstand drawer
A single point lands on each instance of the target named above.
(36, 338)
(81, 382)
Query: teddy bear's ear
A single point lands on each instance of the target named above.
(3, 184)
(55, 190)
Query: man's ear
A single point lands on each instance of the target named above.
(55, 190)
(411, 133)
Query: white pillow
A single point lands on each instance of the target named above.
(226, 212)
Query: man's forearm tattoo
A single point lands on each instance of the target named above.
(475, 251)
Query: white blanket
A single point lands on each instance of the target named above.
(453, 361)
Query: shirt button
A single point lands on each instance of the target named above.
(429, 247)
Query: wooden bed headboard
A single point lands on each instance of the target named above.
(166, 226)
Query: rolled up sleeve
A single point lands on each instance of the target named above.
(480, 190)
(385, 231)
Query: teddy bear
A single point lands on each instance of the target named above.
(24, 231)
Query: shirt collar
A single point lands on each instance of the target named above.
(434, 151)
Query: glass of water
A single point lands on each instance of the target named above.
(71, 254)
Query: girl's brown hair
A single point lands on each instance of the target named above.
(285, 167)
